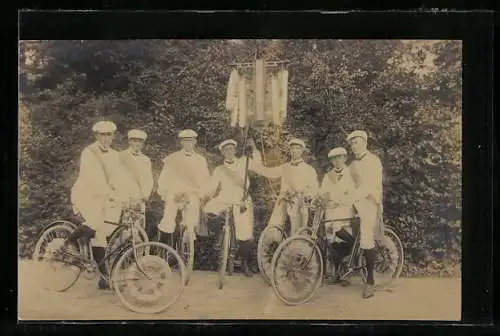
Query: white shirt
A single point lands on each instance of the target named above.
(183, 173)
(340, 186)
(298, 177)
(229, 177)
(101, 176)
(139, 167)
(367, 174)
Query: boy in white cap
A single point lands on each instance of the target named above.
(228, 179)
(138, 164)
(366, 170)
(299, 181)
(101, 189)
(183, 182)
(338, 187)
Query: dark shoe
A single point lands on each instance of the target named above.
(230, 266)
(103, 284)
(368, 291)
(246, 269)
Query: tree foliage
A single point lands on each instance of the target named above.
(406, 94)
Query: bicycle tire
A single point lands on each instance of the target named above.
(149, 246)
(223, 256)
(264, 257)
(38, 256)
(317, 256)
(185, 246)
(399, 266)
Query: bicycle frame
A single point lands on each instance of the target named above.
(317, 223)
(229, 224)
(84, 262)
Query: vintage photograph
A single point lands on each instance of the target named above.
(240, 179)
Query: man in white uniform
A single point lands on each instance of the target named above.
(228, 179)
(367, 174)
(102, 188)
(338, 188)
(183, 182)
(299, 182)
(138, 165)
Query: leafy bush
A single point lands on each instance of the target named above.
(406, 94)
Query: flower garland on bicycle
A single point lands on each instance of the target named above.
(299, 184)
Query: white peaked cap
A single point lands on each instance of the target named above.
(227, 142)
(355, 134)
(187, 133)
(337, 151)
(137, 134)
(104, 127)
(296, 141)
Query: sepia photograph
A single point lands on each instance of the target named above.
(205, 179)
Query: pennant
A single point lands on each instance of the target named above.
(242, 102)
(284, 94)
(259, 89)
(232, 89)
(275, 101)
(234, 113)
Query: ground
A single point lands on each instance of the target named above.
(247, 298)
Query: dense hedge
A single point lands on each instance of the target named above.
(407, 95)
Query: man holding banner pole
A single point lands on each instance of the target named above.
(230, 182)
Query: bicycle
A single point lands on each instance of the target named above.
(300, 260)
(227, 240)
(272, 236)
(183, 242)
(141, 273)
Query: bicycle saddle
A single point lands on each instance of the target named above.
(83, 232)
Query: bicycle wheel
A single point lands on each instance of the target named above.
(119, 237)
(269, 241)
(185, 248)
(149, 277)
(57, 269)
(389, 260)
(297, 270)
(223, 256)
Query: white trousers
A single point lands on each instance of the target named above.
(95, 213)
(298, 217)
(190, 215)
(368, 214)
(243, 222)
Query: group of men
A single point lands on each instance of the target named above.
(108, 180)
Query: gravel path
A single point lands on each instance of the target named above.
(247, 298)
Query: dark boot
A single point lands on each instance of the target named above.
(246, 255)
(165, 238)
(99, 253)
(230, 266)
(369, 291)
